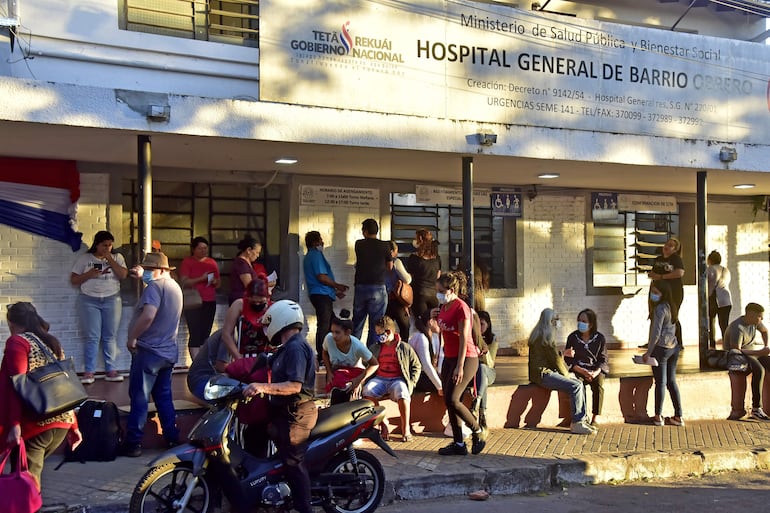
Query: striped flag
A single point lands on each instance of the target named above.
(40, 197)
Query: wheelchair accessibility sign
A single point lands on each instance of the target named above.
(506, 204)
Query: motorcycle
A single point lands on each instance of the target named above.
(213, 470)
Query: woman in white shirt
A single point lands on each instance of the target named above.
(349, 363)
(426, 342)
(720, 301)
(98, 273)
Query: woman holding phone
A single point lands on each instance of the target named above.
(97, 273)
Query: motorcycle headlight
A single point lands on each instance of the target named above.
(219, 387)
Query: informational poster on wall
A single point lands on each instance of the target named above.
(351, 197)
(437, 195)
(492, 63)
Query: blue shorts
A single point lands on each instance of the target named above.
(386, 388)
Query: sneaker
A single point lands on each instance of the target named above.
(759, 414)
(87, 378)
(130, 450)
(113, 377)
(657, 421)
(479, 440)
(674, 421)
(579, 428)
(454, 449)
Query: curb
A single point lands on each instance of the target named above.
(578, 471)
(542, 477)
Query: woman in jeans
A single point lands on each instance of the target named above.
(98, 273)
(662, 345)
(547, 369)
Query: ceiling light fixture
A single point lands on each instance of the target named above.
(286, 161)
(548, 176)
(744, 186)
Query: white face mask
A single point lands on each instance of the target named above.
(416, 243)
(442, 298)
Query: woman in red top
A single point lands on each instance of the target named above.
(200, 272)
(461, 360)
(22, 353)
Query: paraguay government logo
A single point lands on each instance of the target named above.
(346, 43)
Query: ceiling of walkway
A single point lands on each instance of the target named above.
(170, 152)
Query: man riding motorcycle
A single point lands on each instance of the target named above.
(292, 381)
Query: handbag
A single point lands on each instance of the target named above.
(50, 389)
(191, 299)
(402, 292)
(737, 361)
(19, 488)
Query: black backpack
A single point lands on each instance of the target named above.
(99, 422)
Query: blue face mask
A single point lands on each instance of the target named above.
(583, 327)
(654, 297)
(442, 299)
(382, 338)
(147, 276)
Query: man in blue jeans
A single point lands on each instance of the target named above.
(371, 298)
(152, 343)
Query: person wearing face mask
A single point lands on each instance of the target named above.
(548, 370)
(242, 331)
(663, 346)
(424, 265)
(461, 361)
(322, 290)
(397, 374)
(668, 266)
(152, 343)
(586, 356)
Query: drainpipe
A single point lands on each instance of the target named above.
(144, 179)
(703, 317)
(468, 243)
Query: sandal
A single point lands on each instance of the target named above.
(407, 438)
(384, 433)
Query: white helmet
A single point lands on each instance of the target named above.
(282, 314)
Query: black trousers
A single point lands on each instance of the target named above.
(199, 323)
(323, 313)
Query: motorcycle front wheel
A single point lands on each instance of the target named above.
(366, 487)
(162, 487)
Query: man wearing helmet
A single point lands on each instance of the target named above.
(292, 410)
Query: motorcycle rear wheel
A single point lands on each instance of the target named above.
(163, 485)
(363, 500)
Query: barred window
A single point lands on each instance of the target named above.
(224, 21)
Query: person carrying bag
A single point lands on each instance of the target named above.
(18, 488)
(18, 422)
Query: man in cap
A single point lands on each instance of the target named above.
(152, 343)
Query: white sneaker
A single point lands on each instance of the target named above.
(579, 428)
(759, 414)
(113, 376)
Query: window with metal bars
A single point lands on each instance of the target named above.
(626, 246)
(222, 213)
(494, 237)
(223, 21)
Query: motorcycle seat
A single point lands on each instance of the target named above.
(336, 416)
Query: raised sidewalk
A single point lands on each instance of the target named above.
(515, 461)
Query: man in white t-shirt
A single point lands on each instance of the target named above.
(741, 335)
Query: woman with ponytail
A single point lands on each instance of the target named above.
(22, 354)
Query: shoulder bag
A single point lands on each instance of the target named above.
(19, 488)
(402, 292)
(191, 299)
(737, 361)
(50, 389)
